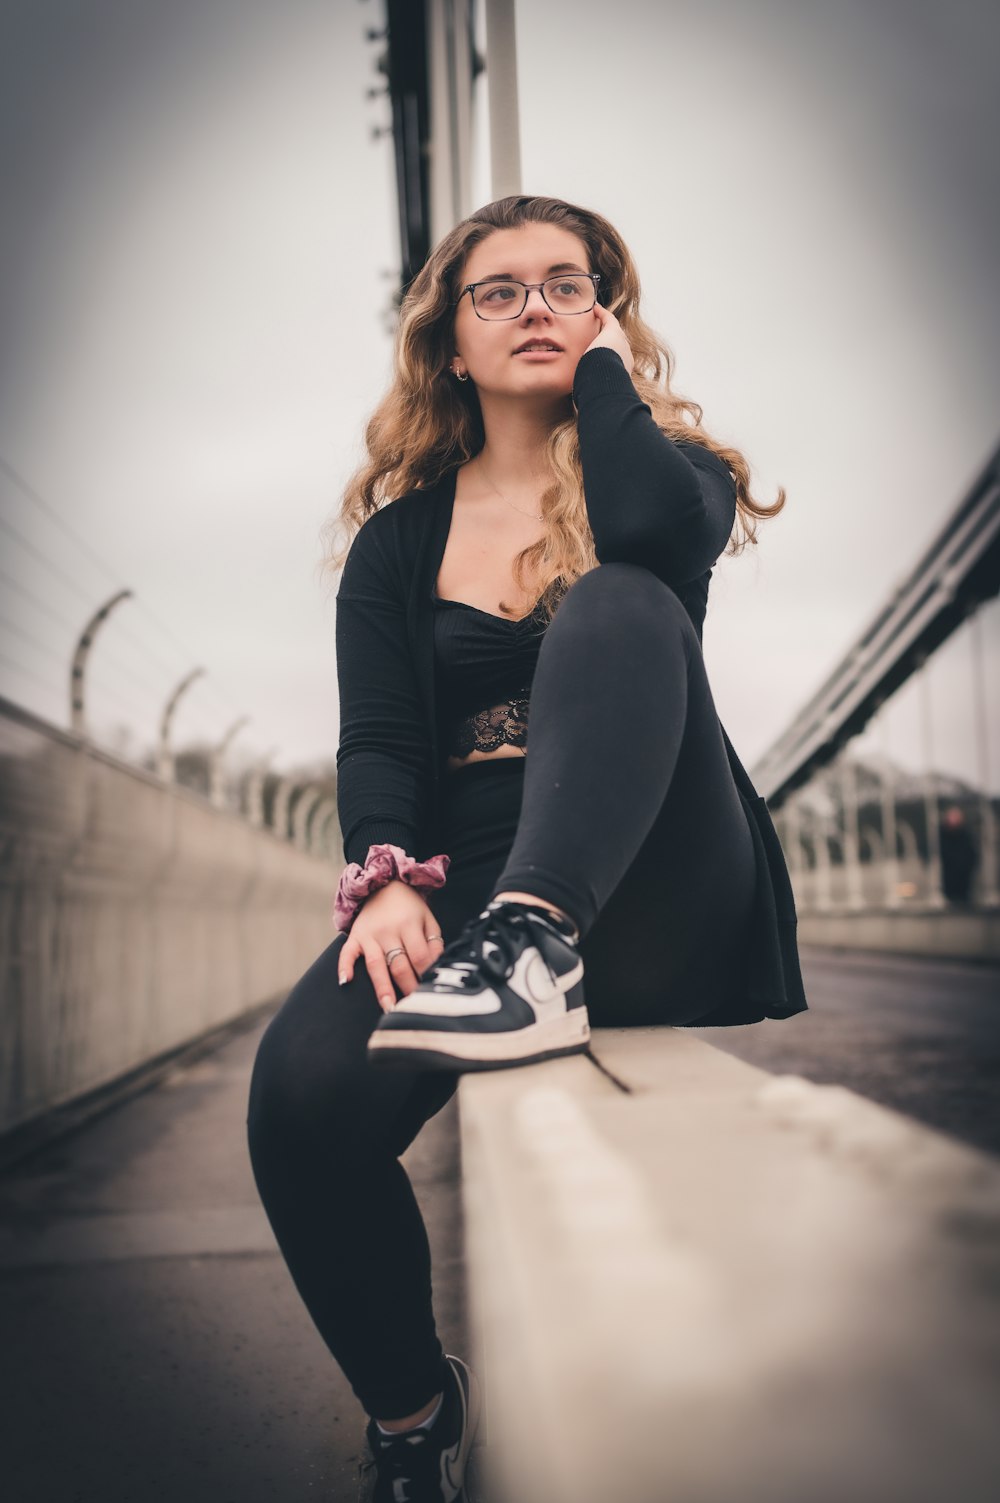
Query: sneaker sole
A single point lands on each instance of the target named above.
(441, 1050)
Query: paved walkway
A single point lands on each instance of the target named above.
(155, 1349)
(918, 1035)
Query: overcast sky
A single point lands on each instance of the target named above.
(197, 228)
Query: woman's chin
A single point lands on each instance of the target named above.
(538, 382)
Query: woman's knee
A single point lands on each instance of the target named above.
(626, 595)
(304, 1073)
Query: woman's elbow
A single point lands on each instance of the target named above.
(676, 558)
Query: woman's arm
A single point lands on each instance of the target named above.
(384, 756)
(669, 506)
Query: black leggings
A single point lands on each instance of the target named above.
(625, 814)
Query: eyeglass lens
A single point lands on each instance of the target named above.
(567, 294)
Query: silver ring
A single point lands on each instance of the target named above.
(390, 955)
(436, 936)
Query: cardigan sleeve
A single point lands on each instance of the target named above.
(669, 506)
(384, 755)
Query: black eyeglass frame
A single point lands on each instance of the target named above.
(591, 276)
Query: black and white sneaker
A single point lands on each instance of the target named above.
(507, 991)
(425, 1466)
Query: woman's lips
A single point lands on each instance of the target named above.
(538, 354)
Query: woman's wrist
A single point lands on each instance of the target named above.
(601, 376)
(385, 863)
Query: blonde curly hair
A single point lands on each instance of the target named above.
(428, 424)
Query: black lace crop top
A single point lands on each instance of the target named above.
(484, 665)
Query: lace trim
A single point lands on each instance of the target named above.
(500, 725)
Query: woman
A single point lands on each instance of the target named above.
(538, 521)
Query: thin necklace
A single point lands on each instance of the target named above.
(537, 515)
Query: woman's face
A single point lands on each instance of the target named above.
(491, 350)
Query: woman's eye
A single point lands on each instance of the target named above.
(568, 289)
(496, 294)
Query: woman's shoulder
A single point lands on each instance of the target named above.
(388, 538)
(412, 509)
(396, 521)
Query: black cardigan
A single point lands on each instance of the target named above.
(680, 511)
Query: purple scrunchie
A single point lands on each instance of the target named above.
(385, 864)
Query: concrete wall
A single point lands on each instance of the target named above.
(135, 916)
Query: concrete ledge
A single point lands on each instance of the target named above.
(694, 1281)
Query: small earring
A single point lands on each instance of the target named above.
(459, 375)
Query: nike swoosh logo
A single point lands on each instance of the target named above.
(539, 982)
(451, 1485)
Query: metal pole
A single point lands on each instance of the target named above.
(887, 796)
(305, 804)
(165, 762)
(791, 833)
(217, 780)
(334, 846)
(451, 71)
(501, 73)
(935, 895)
(797, 867)
(316, 835)
(852, 843)
(255, 789)
(988, 895)
(822, 887)
(77, 704)
(279, 811)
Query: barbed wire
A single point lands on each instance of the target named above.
(15, 667)
(106, 656)
(42, 647)
(179, 649)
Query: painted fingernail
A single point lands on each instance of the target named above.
(386, 1001)
(342, 978)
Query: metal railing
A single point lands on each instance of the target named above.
(869, 818)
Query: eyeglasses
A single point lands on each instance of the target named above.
(508, 299)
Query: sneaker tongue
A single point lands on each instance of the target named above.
(458, 974)
(416, 1437)
(493, 959)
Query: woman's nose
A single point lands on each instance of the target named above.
(536, 304)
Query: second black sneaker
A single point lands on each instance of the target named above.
(425, 1466)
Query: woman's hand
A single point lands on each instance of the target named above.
(396, 915)
(611, 336)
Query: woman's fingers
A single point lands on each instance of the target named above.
(406, 969)
(378, 970)
(375, 964)
(403, 972)
(610, 335)
(435, 939)
(345, 961)
(419, 953)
